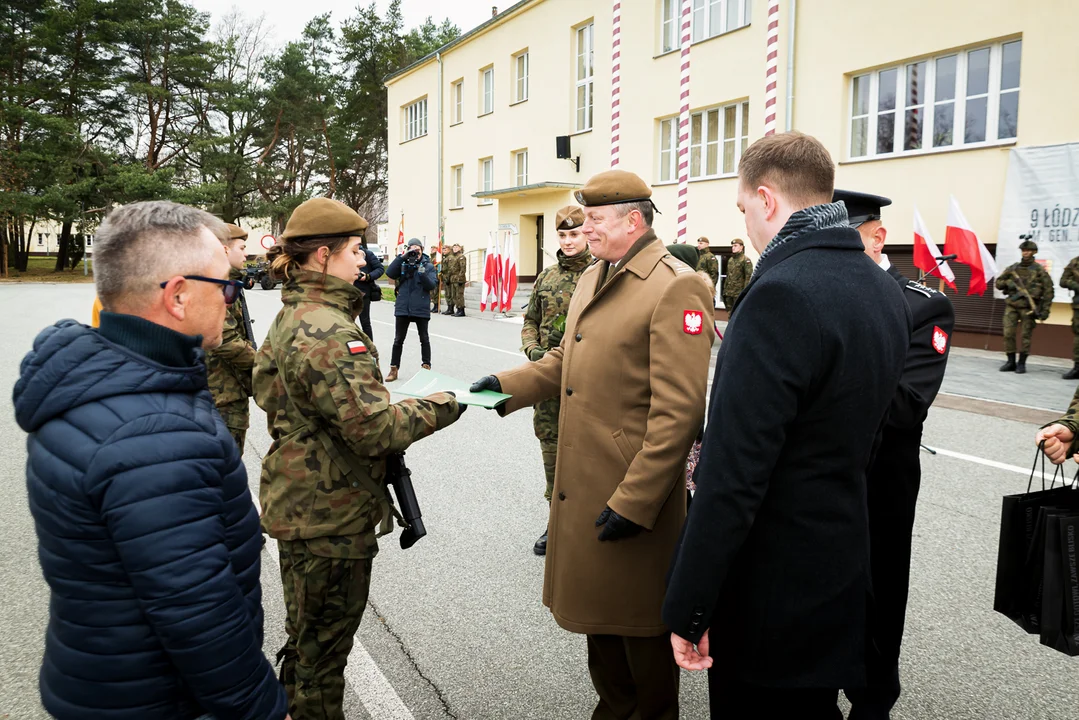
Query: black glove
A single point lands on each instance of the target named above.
(555, 338)
(489, 382)
(460, 406)
(616, 527)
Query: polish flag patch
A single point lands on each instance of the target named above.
(692, 322)
(356, 347)
(940, 340)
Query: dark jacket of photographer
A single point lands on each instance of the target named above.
(372, 271)
(418, 279)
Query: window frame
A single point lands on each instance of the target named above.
(717, 114)
(457, 182)
(669, 25)
(487, 93)
(587, 82)
(670, 167)
(930, 105)
(518, 157)
(519, 79)
(414, 119)
(706, 15)
(487, 179)
(457, 93)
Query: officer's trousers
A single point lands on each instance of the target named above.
(1013, 319)
(634, 677)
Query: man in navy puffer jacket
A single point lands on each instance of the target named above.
(147, 534)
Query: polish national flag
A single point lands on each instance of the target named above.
(926, 253)
(959, 238)
(508, 285)
(490, 275)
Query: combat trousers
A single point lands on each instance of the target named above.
(728, 302)
(1013, 318)
(1075, 334)
(325, 599)
(635, 677)
(549, 451)
(455, 294)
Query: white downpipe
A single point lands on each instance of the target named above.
(790, 65)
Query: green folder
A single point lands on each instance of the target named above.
(427, 382)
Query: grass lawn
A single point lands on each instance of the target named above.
(40, 269)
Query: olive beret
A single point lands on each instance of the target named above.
(236, 232)
(568, 218)
(1029, 245)
(323, 217)
(613, 187)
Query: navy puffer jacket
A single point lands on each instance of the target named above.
(147, 537)
(418, 279)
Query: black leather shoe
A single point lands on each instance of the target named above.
(449, 310)
(540, 548)
(1009, 366)
(1072, 374)
(1021, 366)
(460, 312)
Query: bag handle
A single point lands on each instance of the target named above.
(1058, 471)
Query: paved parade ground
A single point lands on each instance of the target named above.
(455, 627)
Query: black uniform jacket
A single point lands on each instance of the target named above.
(775, 556)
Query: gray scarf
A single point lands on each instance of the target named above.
(804, 222)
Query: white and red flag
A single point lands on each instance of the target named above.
(508, 284)
(959, 238)
(491, 272)
(401, 234)
(926, 254)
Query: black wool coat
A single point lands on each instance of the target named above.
(775, 554)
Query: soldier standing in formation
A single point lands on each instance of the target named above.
(454, 271)
(706, 261)
(1070, 281)
(1030, 294)
(436, 259)
(323, 489)
(544, 325)
(229, 366)
(739, 271)
(893, 477)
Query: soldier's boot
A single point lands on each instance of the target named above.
(540, 548)
(425, 366)
(460, 312)
(449, 310)
(393, 374)
(1072, 374)
(1010, 365)
(1021, 366)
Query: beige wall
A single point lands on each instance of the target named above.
(836, 39)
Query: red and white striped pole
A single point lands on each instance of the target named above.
(771, 76)
(616, 79)
(683, 126)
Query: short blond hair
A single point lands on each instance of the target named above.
(798, 166)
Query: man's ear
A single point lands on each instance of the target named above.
(879, 236)
(174, 298)
(768, 198)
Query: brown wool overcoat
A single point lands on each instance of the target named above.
(632, 372)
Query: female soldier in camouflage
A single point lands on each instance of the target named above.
(323, 482)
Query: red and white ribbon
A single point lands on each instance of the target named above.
(771, 76)
(616, 79)
(683, 125)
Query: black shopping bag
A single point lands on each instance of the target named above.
(1060, 598)
(1019, 569)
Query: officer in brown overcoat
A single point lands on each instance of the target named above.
(632, 371)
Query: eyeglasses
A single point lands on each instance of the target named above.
(230, 288)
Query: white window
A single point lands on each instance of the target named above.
(90, 241)
(956, 100)
(585, 47)
(717, 138)
(488, 91)
(415, 116)
(457, 174)
(668, 149)
(520, 80)
(458, 96)
(672, 24)
(487, 178)
(713, 17)
(520, 163)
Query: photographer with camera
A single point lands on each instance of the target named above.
(416, 274)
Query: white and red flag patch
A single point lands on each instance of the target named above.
(356, 347)
(692, 322)
(940, 340)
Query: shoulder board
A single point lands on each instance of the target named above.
(675, 264)
(921, 289)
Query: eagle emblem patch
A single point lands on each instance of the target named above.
(692, 322)
(940, 340)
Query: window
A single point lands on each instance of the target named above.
(90, 241)
(717, 138)
(488, 98)
(457, 174)
(415, 119)
(520, 80)
(710, 18)
(457, 95)
(668, 149)
(520, 163)
(487, 178)
(671, 25)
(961, 99)
(40, 239)
(585, 40)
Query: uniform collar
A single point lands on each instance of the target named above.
(884, 263)
(309, 286)
(578, 262)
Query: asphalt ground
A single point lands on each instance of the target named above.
(455, 627)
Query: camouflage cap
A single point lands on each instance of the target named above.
(323, 217)
(568, 218)
(236, 232)
(1029, 245)
(613, 187)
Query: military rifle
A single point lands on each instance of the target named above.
(1023, 292)
(399, 477)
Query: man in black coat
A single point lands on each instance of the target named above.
(372, 271)
(773, 571)
(894, 476)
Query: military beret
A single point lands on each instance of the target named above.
(1029, 245)
(236, 232)
(861, 207)
(323, 218)
(613, 187)
(703, 239)
(737, 241)
(568, 218)
(686, 253)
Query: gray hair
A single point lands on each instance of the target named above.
(141, 245)
(644, 207)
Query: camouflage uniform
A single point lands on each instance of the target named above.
(1071, 421)
(454, 271)
(709, 264)
(323, 481)
(1070, 281)
(739, 271)
(550, 301)
(228, 370)
(1040, 286)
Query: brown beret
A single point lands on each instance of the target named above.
(738, 241)
(702, 239)
(568, 218)
(323, 217)
(236, 232)
(613, 187)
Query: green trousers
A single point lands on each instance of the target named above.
(1013, 318)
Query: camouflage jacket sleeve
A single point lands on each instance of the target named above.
(530, 332)
(1069, 279)
(348, 392)
(1070, 420)
(1004, 282)
(234, 348)
(1045, 298)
